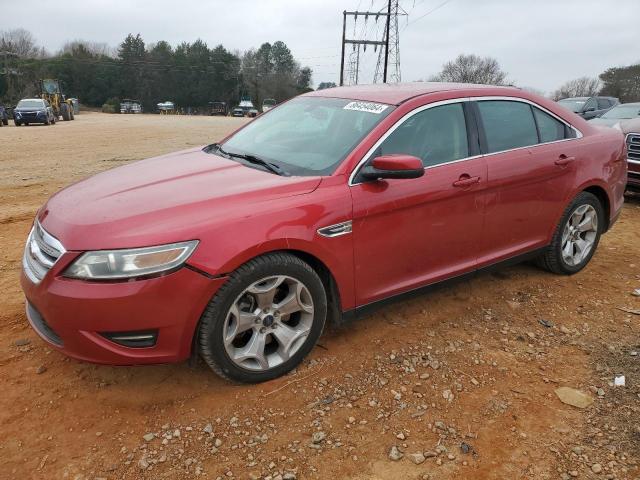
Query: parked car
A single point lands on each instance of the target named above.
(624, 111)
(589, 107)
(631, 130)
(335, 202)
(33, 110)
(268, 104)
(4, 115)
(217, 108)
(237, 112)
(130, 106)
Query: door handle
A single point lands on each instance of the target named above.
(563, 160)
(466, 181)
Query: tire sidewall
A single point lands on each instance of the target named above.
(213, 327)
(585, 198)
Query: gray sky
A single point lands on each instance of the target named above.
(540, 43)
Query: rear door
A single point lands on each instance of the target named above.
(530, 162)
(409, 233)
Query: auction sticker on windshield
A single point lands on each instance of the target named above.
(370, 107)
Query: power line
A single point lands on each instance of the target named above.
(427, 13)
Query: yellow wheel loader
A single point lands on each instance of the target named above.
(51, 91)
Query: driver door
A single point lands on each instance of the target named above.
(413, 232)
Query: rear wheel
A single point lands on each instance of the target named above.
(5, 121)
(64, 111)
(264, 320)
(576, 237)
(47, 121)
(71, 114)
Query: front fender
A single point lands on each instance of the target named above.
(286, 224)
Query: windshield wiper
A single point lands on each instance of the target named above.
(272, 167)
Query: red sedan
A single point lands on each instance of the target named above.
(322, 207)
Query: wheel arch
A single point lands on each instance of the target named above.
(603, 197)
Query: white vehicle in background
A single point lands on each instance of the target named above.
(268, 104)
(247, 107)
(130, 106)
(166, 108)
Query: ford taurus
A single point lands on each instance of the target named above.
(318, 210)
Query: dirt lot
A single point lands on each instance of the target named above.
(465, 375)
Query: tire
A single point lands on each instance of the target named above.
(71, 114)
(47, 122)
(64, 111)
(5, 122)
(574, 258)
(16, 123)
(53, 120)
(265, 328)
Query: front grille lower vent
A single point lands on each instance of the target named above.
(41, 253)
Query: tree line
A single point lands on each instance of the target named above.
(620, 82)
(189, 74)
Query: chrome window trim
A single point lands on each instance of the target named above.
(410, 114)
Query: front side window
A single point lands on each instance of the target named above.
(507, 124)
(436, 135)
(308, 136)
(603, 103)
(551, 129)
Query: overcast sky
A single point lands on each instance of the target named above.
(540, 43)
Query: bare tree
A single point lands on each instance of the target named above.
(93, 48)
(580, 87)
(472, 69)
(19, 42)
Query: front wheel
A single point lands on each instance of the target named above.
(264, 320)
(576, 237)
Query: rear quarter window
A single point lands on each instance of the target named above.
(550, 128)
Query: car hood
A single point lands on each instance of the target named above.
(162, 200)
(609, 122)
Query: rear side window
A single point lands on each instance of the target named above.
(436, 135)
(507, 124)
(550, 128)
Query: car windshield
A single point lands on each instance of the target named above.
(308, 136)
(573, 104)
(30, 104)
(623, 112)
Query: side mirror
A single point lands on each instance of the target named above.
(394, 166)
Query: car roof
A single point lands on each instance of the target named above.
(31, 99)
(574, 98)
(630, 104)
(397, 93)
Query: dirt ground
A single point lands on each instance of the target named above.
(464, 376)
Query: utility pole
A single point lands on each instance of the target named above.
(6, 54)
(386, 43)
(358, 42)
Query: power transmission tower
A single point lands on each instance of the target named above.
(388, 65)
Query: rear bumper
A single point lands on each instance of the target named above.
(73, 315)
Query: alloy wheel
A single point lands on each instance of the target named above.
(579, 235)
(268, 323)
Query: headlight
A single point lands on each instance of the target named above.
(130, 263)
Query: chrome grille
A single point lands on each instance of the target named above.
(41, 253)
(633, 148)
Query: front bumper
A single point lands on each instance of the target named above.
(72, 315)
(633, 178)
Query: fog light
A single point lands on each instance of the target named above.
(143, 339)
